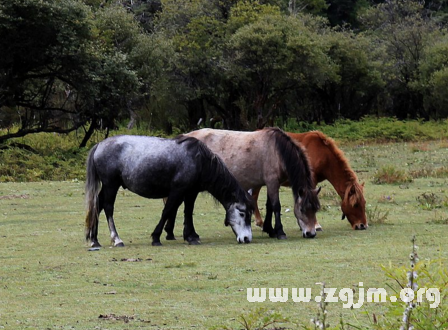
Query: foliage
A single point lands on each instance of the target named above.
(382, 129)
(60, 68)
(403, 32)
(174, 65)
(416, 315)
(50, 149)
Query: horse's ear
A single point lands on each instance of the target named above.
(362, 184)
(318, 190)
(343, 216)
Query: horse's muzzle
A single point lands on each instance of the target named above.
(309, 234)
(361, 226)
(245, 240)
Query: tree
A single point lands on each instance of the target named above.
(275, 58)
(433, 82)
(403, 31)
(55, 69)
(354, 93)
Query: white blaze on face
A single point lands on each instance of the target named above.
(237, 220)
(302, 220)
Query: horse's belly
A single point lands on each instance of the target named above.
(148, 191)
(149, 186)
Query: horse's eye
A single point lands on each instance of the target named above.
(356, 205)
(242, 214)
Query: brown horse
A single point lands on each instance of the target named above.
(329, 163)
(266, 158)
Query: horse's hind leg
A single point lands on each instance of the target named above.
(169, 212)
(107, 198)
(169, 227)
(257, 215)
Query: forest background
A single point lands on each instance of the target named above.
(176, 65)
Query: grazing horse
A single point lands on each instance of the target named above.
(266, 158)
(329, 163)
(153, 167)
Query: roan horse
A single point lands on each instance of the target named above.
(155, 168)
(267, 157)
(329, 163)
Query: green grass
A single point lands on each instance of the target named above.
(49, 279)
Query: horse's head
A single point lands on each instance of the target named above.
(305, 208)
(353, 206)
(238, 216)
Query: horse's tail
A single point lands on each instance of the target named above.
(92, 189)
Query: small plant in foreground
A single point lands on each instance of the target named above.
(261, 318)
(320, 321)
(375, 216)
(410, 313)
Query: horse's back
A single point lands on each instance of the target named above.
(246, 154)
(145, 165)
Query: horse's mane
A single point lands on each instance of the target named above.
(353, 186)
(297, 166)
(215, 175)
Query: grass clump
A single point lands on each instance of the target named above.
(259, 319)
(376, 216)
(429, 201)
(389, 174)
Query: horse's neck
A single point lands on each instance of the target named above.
(325, 164)
(322, 170)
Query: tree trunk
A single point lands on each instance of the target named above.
(89, 133)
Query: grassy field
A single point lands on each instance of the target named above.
(49, 279)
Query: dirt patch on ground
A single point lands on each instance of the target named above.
(25, 196)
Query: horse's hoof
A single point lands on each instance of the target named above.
(121, 244)
(170, 238)
(281, 236)
(194, 242)
(156, 244)
(95, 245)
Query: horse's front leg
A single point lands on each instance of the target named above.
(276, 208)
(169, 212)
(267, 225)
(190, 234)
